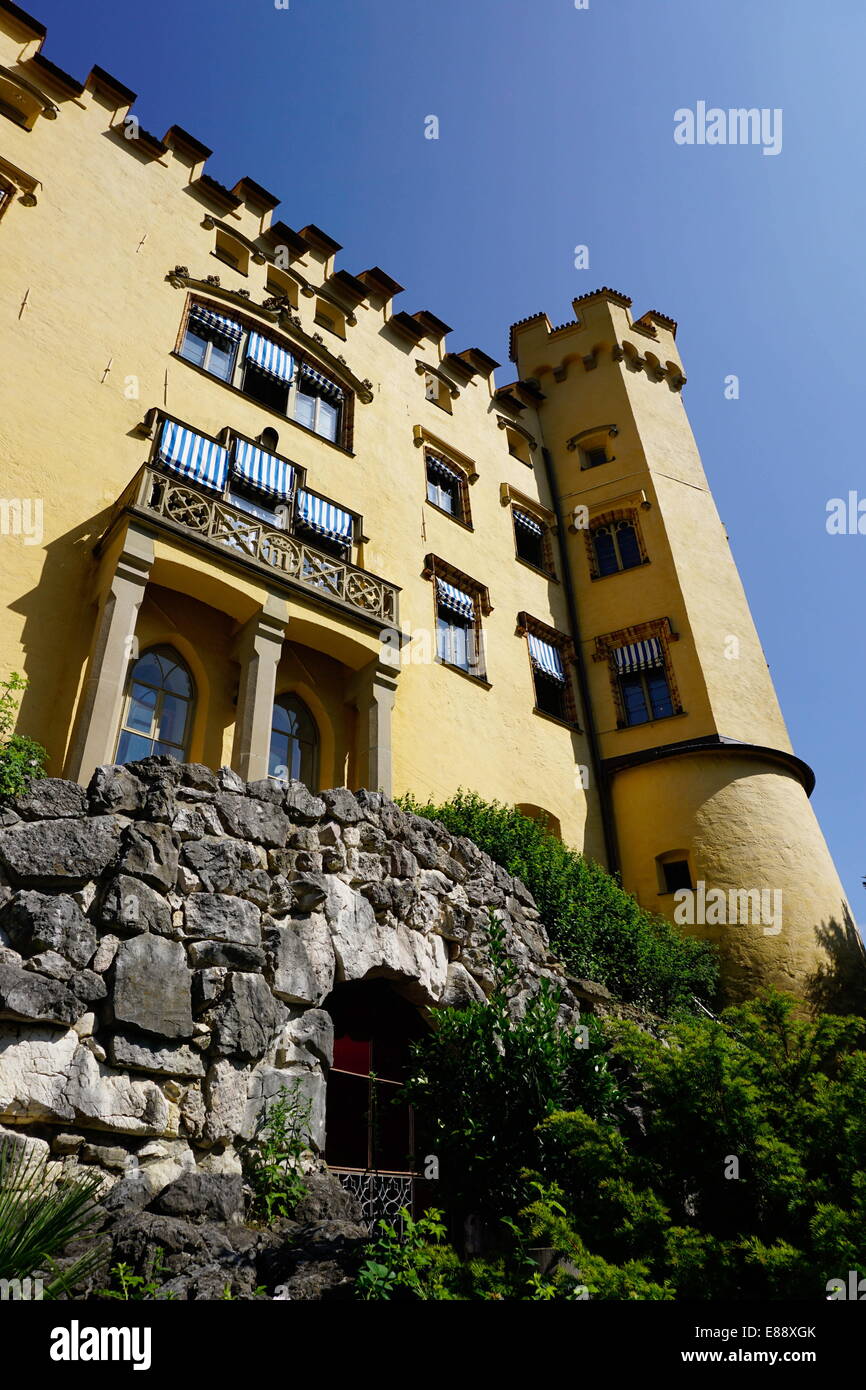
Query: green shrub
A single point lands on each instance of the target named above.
(597, 929)
(272, 1159)
(483, 1080)
(40, 1213)
(22, 760)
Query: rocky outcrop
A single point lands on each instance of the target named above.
(168, 939)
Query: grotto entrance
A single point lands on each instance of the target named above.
(370, 1133)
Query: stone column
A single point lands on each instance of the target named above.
(376, 690)
(258, 648)
(97, 722)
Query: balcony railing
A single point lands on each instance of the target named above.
(192, 512)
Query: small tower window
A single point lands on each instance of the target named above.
(674, 871)
(594, 456)
(616, 547)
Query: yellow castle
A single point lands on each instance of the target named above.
(254, 514)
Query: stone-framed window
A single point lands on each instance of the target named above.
(447, 486)
(158, 707)
(551, 659)
(284, 379)
(643, 683)
(460, 603)
(615, 543)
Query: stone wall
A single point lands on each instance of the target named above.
(168, 936)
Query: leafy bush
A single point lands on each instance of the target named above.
(597, 929)
(143, 1287)
(22, 760)
(273, 1156)
(40, 1214)
(483, 1080)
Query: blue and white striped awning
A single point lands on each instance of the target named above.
(545, 657)
(455, 599)
(200, 317)
(528, 522)
(263, 471)
(270, 358)
(442, 469)
(196, 458)
(324, 518)
(639, 656)
(327, 387)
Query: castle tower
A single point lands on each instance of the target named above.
(703, 789)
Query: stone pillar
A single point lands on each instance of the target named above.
(258, 648)
(97, 722)
(375, 694)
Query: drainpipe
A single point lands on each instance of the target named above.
(605, 804)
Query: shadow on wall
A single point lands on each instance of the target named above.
(839, 986)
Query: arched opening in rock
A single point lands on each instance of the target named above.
(371, 1139)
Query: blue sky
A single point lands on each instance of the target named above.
(556, 129)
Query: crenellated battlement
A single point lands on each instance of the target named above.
(602, 326)
(39, 89)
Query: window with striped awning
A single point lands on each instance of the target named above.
(200, 317)
(639, 656)
(324, 518)
(455, 599)
(527, 522)
(441, 469)
(263, 471)
(270, 358)
(545, 657)
(196, 458)
(313, 378)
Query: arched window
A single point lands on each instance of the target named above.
(294, 754)
(616, 547)
(158, 707)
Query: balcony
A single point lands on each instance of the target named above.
(194, 515)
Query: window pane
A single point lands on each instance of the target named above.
(629, 550)
(530, 547)
(549, 695)
(132, 747)
(263, 388)
(194, 347)
(460, 646)
(329, 419)
(305, 409)
(170, 749)
(278, 757)
(142, 706)
(448, 500)
(605, 551)
(634, 700)
(677, 874)
(443, 634)
(392, 1130)
(172, 722)
(149, 670)
(660, 696)
(222, 359)
(346, 1127)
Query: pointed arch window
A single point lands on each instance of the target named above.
(157, 708)
(294, 751)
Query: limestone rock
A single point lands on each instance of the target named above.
(60, 852)
(130, 905)
(204, 954)
(150, 852)
(248, 1019)
(223, 918)
(202, 1197)
(152, 986)
(24, 995)
(52, 798)
(304, 961)
(140, 1055)
(250, 819)
(49, 922)
(219, 861)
